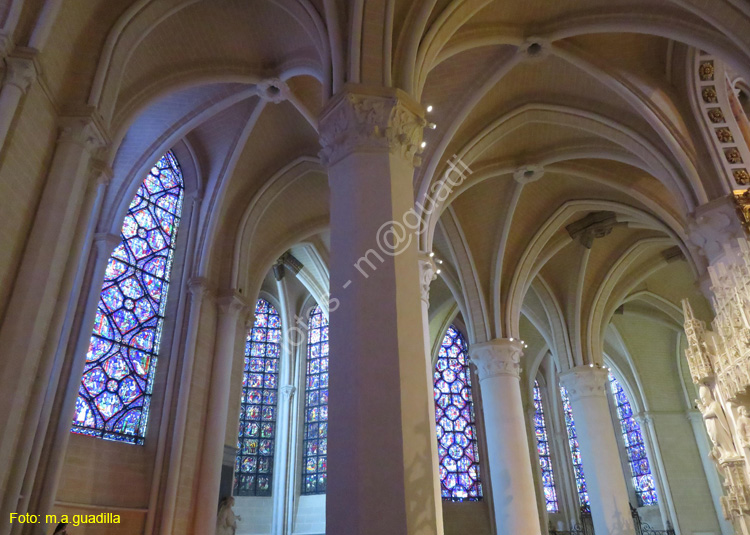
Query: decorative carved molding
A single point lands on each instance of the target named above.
(697, 352)
(585, 381)
(736, 499)
(287, 391)
(714, 227)
(361, 119)
(427, 273)
(498, 357)
(719, 361)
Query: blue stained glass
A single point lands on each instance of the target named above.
(454, 414)
(548, 479)
(643, 481)
(254, 465)
(115, 394)
(575, 451)
(315, 443)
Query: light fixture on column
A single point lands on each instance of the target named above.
(429, 108)
(424, 144)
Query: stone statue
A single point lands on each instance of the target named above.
(226, 520)
(743, 428)
(716, 425)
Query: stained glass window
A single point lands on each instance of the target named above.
(255, 445)
(315, 444)
(575, 451)
(643, 481)
(542, 448)
(115, 391)
(454, 414)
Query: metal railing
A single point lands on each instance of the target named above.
(586, 526)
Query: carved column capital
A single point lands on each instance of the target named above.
(428, 271)
(232, 303)
(199, 288)
(585, 381)
(362, 118)
(84, 130)
(287, 391)
(20, 71)
(101, 172)
(501, 356)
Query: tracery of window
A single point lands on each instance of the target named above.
(117, 382)
(255, 445)
(454, 414)
(542, 448)
(575, 451)
(643, 481)
(315, 443)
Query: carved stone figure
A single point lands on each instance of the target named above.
(716, 425)
(226, 520)
(743, 427)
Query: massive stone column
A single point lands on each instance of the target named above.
(231, 308)
(610, 507)
(513, 493)
(380, 462)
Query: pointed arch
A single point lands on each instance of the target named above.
(116, 386)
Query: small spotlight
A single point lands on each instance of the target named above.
(591, 365)
(429, 108)
(432, 126)
(424, 144)
(440, 261)
(511, 339)
(438, 272)
(432, 254)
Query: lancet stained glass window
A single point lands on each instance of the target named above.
(115, 391)
(255, 445)
(454, 414)
(643, 481)
(542, 448)
(575, 450)
(315, 444)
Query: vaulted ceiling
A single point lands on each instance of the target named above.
(558, 109)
